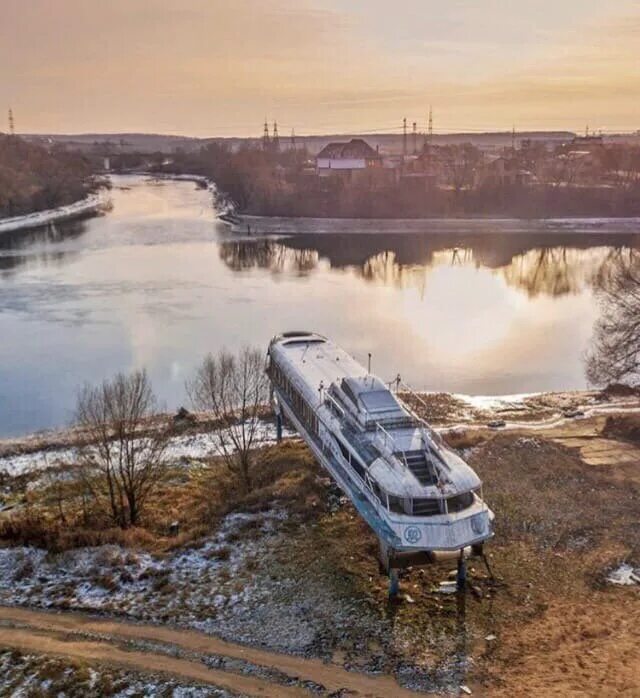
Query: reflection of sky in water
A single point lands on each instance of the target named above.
(158, 283)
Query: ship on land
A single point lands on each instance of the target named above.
(421, 499)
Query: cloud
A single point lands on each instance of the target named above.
(207, 66)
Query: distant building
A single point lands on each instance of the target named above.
(345, 159)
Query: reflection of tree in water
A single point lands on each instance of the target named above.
(552, 271)
(557, 271)
(614, 354)
(267, 254)
(534, 266)
(39, 245)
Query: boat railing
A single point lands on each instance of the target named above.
(335, 404)
(433, 435)
(387, 444)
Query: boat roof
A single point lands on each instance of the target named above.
(372, 397)
(316, 360)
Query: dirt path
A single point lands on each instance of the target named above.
(45, 634)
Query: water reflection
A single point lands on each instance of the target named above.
(550, 265)
(158, 282)
(614, 354)
(39, 247)
(266, 254)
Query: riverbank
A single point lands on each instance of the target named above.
(291, 569)
(450, 414)
(89, 206)
(242, 224)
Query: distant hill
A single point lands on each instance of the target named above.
(34, 178)
(103, 143)
(113, 143)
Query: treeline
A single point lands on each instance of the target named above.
(34, 178)
(284, 183)
(250, 178)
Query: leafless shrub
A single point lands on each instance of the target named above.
(233, 389)
(124, 460)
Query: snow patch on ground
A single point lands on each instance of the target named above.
(624, 575)
(25, 675)
(186, 446)
(33, 220)
(490, 403)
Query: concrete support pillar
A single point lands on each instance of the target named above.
(279, 427)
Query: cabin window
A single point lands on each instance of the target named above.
(302, 408)
(375, 487)
(460, 502)
(396, 504)
(355, 464)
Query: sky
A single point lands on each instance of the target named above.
(219, 68)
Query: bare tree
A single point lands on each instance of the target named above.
(124, 456)
(615, 351)
(233, 389)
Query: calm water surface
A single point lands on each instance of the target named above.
(158, 282)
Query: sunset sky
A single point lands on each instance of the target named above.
(214, 67)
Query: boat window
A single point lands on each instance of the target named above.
(346, 388)
(345, 453)
(427, 507)
(379, 401)
(376, 490)
(460, 502)
(396, 504)
(357, 467)
(300, 342)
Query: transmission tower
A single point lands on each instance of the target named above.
(12, 124)
(293, 139)
(404, 137)
(430, 124)
(415, 138)
(276, 137)
(265, 136)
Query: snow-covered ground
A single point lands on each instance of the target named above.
(33, 220)
(24, 675)
(187, 446)
(239, 584)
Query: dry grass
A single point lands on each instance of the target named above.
(56, 517)
(625, 427)
(461, 438)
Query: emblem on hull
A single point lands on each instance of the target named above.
(412, 534)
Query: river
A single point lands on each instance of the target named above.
(158, 282)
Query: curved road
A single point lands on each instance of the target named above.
(53, 634)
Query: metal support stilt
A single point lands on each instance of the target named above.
(279, 427)
(394, 583)
(486, 563)
(461, 576)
